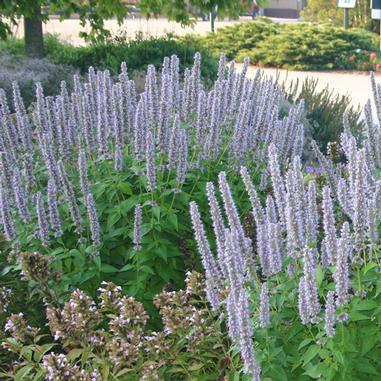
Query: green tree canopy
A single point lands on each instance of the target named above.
(181, 11)
(90, 12)
(93, 13)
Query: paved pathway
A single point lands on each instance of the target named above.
(68, 29)
(356, 84)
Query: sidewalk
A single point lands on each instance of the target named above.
(69, 29)
(356, 84)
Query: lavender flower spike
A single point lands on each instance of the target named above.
(341, 275)
(277, 182)
(330, 238)
(6, 215)
(253, 196)
(229, 205)
(245, 337)
(218, 226)
(264, 307)
(310, 284)
(83, 173)
(329, 318)
(54, 215)
(43, 229)
(150, 161)
(20, 197)
(70, 197)
(137, 240)
(93, 219)
(213, 274)
(302, 301)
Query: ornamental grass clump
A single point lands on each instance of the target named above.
(307, 284)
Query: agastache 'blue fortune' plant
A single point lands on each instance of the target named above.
(299, 226)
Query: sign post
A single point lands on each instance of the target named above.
(376, 13)
(346, 18)
(346, 4)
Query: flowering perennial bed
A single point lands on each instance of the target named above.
(96, 186)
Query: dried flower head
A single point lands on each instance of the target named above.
(109, 295)
(37, 267)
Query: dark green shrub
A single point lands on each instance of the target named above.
(236, 38)
(299, 46)
(137, 53)
(310, 47)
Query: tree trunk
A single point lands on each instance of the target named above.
(34, 43)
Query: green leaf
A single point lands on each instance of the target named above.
(97, 262)
(123, 372)
(196, 366)
(369, 341)
(174, 221)
(311, 352)
(125, 188)
(113, 218)
(304, 343)
(23, 372)
(75, 354)
(378, 289)
(364, 366)
(106, 268)
(126, 205)
(42, 350)
(146, 269)
(357, 316)
(156, 210)
(162, 252)
(369, 266)
(339, 356)
(277, 373)
(27, 352)
(163, 273)
(319, 275)
(39, 375)
(365, 305)
(128, 266)
(313, 371)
